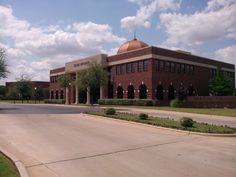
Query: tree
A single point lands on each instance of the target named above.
(3, 66)
(221, 85)
(65, 81)
(24, 88)
(2, 91)
(92, 78)
(12, 93)
(39, 94)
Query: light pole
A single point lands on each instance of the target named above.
(35, 90)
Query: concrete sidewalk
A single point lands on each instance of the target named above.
(210, 119)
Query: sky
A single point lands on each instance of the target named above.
(41, 35)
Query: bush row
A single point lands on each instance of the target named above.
(136, 102)
(55, 101)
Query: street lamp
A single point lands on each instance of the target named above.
(35, 89)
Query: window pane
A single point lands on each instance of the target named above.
(156, 62)
(161, 65)
(132, 67)
(178, 69)
(182, 68)
(145, 65)
(167, 66)
(128, 68)
(122, 69)
(140, 66)
(172, 67)
(117, 69)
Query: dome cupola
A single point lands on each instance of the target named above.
(131, 45)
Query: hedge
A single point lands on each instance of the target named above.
(136, 102)
(55, 101)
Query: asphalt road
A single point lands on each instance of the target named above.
(42, 109)
(78, 145)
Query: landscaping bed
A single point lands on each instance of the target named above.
(7, 168)
(169, 123)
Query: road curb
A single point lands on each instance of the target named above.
(165, 128)
(19, 165)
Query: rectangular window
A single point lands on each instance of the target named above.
(145, 65)
(183, 68)
(117, 69)
(167, 66)
(156, 64)
(172, 67)
(140, 66)
(187, 69)
(128, 67)
(122, 69)
(191, 70)
(133, 67)
(178, 68)
(161, 65)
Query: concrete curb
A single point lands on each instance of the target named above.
(168, 129)
(19, 165)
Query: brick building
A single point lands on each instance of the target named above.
(142, 71)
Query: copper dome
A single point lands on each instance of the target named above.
(131, 45)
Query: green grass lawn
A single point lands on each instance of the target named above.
(209, 111)
(169, 123)
(7, 169)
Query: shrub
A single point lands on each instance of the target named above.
(136, 102)
(110, 111)
(55, 101)
(176, 103)
(143, 116)
(186, 122)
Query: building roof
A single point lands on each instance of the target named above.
(131, 45)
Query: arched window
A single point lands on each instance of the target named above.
(142, 91)
(52, 94)
(119, 92)
(159, 93)
(130, 91)
(57, 95)
(171, 92)
(190, 90)
(62, 95)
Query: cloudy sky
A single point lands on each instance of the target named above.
(40, 35)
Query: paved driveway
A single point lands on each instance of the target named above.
(77, 145)
(43, 109)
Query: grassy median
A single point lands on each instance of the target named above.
(169, 123)
(209, 111)
(7, 168)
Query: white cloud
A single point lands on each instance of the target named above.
(147, 8)
(35, 50)
(216, 21)
(227, 54)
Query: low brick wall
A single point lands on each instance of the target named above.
(211, 102)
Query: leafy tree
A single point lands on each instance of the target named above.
(45, 93)
(94, 77)
(39, 94)
(64, 80)
(12, 93)
(2, 91)
(24, 88)
(221, 85)
(3, 66)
